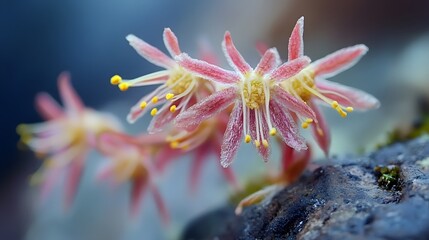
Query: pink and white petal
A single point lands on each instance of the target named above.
(47, 107)
(207, 70)
(234, 57)
(296, 41)
(261, 47)
(68, 95)
(138, 188)
(105, 172)
(289, 69)
(264, 151)
(292, 103)
(51, 177)
(227, 172)
(160, 120)
(287, 156)
(269, 61)
(160, 204)
(233, 135)
(205, 109)
(347, 96)
(165, 157)
(73, 177)
(298, 166)
(286, 127)
(150, 53)
(171, 42)
(320, 130)
(339, 61)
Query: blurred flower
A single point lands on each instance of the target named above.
(310, 85)
(261, 107)
(179, 88)
(65, 138)
(132, 159)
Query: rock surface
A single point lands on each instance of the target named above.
(347, 199)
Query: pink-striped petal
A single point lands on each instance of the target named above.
(47, 107)
(233, 135)
(269, 61)
(289, 69)
(264, 151)
(68, 95)
(297, 167)
(205, 109)
(234, 57)
(160, 120)
(171, 42)
(320, 130)
(339, 61)
(296, 41)
(150, 53)
(207, 70)
(347, 96)
(73, 179)
(292, 103)
(138, 189)
(287, 128)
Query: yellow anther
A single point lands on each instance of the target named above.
(154, 99)
(247, 138)
(169, 96)
(174, 144)
(304, 125)
(115, 80)
(186, 147)
(349, 109)
(257, 143)
(143, 104)
(123, 86)
(334, 104)
(342, 113)
(173, 108)
(273, 131)
(154, 111)
(309, 120)
(265, 143)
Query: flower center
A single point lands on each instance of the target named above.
(253, 91)
(180, 80)
(300, 84)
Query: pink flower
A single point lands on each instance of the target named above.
(311, 86)
(261, 107)
(132, 160)
(66, 137)
(178, 87)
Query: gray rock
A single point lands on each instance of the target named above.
(348, 199)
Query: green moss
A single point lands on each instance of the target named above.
(249, 188)
(389, 177)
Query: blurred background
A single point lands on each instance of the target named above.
(40, 39)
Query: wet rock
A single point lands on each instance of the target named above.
(384, 195)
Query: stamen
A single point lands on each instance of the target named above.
(273, 131)
(115, 80)
(123, 86)
(174, 144)
(247, 138)
(169, 96)
(349, 109)
(257, 143)
(306, 123)
(173, 108)
(155, 99)
(265, 143)
(154, 112)
(143, 105)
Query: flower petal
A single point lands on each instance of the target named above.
(348, 96)
(269, 61)
(47, 107)
(320, 130)
(160, 120)
(207, 70)
(68, 95)
(233, 135)
(261, 47)
(171, 42)
(205, 109)
(150, 53)
(339, 61)
(138, 187)
(298, 164)
(234, 57)
(296, 41)
(73, 178)
(284, 123)
(289, 69)
(292, 103)
(160, 204)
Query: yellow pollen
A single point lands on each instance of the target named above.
(154, 111)
(143, 104)
(257, 143)
(304, 125)
(123, 86)
(174, 144)
(309, 120)
(254, 93)
(173, 108)
(169, 96)
(247, 138)
(273, 131)
(334, 104)
(179, 81)
(349, 109)
(115, 80)
(265, 143)
(155, 99)
(300, 85)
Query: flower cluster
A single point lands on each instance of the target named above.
(200, 108)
